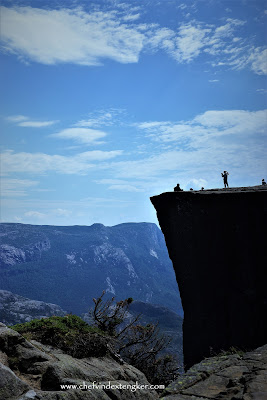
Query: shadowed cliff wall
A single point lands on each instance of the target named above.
(217, 242)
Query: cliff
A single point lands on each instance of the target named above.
(216, 240)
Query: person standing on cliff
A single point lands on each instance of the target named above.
(225, 178)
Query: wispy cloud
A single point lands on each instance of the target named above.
(36, 124)
(16, 187)
(189, 42)
(16, 118)
(43, 163)
(35, 214)
(125, 188)
(131, 17)
(258, 60)
(81, 135)
(122, 185)
(61, 212)
(218, 43)
(101, 118)
(22, 120)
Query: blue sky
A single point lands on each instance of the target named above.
(106, 103)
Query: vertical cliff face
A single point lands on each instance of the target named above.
(217, 242)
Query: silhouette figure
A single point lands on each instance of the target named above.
(263, 182)
(177, 188)
(225, 177)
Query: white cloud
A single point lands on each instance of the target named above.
(81, 38)
(16, 187)
(213, 80)
(152, 124)
(98, 155)
(190, 41)
(234, 121)
(81, 135)
(35, 214)
(22, 120)
(208, 127)
(227, 30)
(101, 118)
(120, 184)
(111, 181)
(131, 17)
(36, 124)
(80, 163)
(62, 212)
(219, 43)
(258, 60)
(125, 188)
(16, 118)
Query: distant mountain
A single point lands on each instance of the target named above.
(15, 309)
(70, 265)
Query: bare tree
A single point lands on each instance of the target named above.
(139, 345)
(108, 315)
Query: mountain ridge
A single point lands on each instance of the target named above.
(69, 265)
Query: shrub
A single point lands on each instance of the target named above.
(70, 334)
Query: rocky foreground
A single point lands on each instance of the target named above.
(31, 370)
(227, 377)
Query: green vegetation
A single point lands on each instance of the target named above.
(70, 334)
(68, 324)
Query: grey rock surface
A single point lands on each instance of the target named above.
(31, 370)
(10, 385)
(226, 377)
